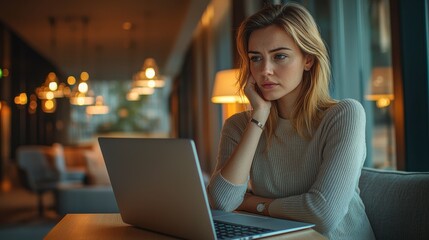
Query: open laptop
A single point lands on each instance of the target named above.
(158, 186)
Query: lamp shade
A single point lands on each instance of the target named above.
(81, 94)
(98, 108)
(381, 86)
(225, 89)
(149, 75)
(51, 88)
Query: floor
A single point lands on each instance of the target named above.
(19, 218)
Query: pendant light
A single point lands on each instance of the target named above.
(81, 94)
(149, 75)
(98, 108)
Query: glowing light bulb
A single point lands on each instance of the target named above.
(83, 87)
(53, 86)
(150, 72)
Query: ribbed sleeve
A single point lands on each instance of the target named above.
(311, 180)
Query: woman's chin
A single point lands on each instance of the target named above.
(269, 97)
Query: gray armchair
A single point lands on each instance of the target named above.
(396, 203)
(36, 173)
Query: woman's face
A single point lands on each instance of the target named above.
(276, 63)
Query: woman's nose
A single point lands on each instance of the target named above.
(267, 68)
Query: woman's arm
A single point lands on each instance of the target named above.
(236, 153)
(237, 167)
(255, 204)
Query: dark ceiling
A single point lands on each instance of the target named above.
(161, 29)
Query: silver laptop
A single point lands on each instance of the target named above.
(158, 186)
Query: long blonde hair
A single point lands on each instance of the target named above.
(314, 96)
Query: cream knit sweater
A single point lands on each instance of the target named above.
(312, 180)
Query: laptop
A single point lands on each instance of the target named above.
(158, 185)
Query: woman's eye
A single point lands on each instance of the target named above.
(280, 56)
(255, 58)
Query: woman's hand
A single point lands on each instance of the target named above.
(250, 204)
(261, 107)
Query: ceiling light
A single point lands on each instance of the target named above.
(98, 108)
(149, 75)
(50, 88)
(81, 94)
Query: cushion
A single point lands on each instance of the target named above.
(396, 203)
(97, 171)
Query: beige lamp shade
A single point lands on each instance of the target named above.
(149, 75)
(98, 108)
(381, 86)
(225, 89)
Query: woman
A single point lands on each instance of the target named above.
(299, 151)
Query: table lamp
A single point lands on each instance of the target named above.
(381, 86)
(226, 92)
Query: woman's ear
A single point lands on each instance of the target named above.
(309, 61)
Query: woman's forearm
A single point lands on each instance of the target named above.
(237, 168)
(255, 204)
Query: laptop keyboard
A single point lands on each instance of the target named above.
(232, 231)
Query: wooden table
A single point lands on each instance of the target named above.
(110, 226)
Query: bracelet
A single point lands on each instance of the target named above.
(259, 124)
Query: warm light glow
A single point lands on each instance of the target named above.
(149, 83)
(6, 185)
(81, 100)
(50, 88)
(383, 102)
(143, 90)
(52, 76)
(83, 87)
(49, 106)
(84, 76)
(23, 98)
(127, 26)
(81, 94)
(148, 76)
(133, 96)
(49, 95)
(381, 86)
(150, 73)
(53, 86)
(71, 80)
(98, 108)
(225, 89)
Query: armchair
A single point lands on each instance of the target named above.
(36, 173)
(396, 203)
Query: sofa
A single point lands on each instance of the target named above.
(96, 196)
(396, 203)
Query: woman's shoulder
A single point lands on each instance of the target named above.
(346, 108)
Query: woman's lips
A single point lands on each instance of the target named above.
(269, 85)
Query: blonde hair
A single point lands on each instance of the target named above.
(314, 96)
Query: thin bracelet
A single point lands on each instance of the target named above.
(259, 124)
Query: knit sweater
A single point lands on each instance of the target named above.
(312, 180)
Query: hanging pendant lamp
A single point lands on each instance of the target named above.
(149, 75)
(81, 94)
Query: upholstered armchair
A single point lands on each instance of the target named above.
(396, 203)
